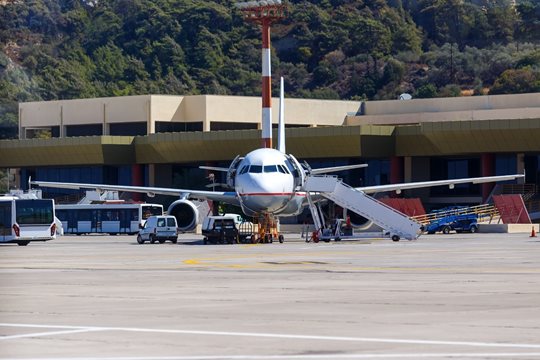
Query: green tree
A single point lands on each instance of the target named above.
(426, 91)
(517, 81)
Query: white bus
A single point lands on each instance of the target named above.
(108, 218)
(24, 220)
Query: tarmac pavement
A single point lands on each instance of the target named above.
(461, 296)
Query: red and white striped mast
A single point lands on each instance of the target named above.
(265, 13)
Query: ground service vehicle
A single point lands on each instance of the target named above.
(225, 229)
(111, 218)
(23, 220)
(159, 228)
(458, 223)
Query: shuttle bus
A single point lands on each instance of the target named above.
(107, 218)
(23, 220)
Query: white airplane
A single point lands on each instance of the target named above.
(266, 183)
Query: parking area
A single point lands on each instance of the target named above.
(465, 296)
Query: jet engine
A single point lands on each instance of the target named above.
(358, 221)
(186, 214)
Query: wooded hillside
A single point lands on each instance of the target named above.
(338, 49)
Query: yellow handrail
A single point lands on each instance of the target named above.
(485, 212)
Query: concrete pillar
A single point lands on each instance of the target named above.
(137, 179)
(206, 124)
(520, 161)
(62, 132)
(22, 131)
(488, 169)
(105, 125)
(151, 175)
(407, 169)
(150, 124)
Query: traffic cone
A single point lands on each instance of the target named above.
(533, 233)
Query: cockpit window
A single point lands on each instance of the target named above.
(270, 168)
(255, 169)
(283, 169)
(244, 169)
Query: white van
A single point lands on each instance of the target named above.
(159, 228)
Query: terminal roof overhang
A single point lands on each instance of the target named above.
(88, 150)
(189, 147)
(368, 141)
(468, 137)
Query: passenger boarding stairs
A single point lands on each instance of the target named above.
(397, 224)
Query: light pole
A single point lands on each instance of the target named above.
(265, 13)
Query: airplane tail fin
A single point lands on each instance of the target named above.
(281, 122)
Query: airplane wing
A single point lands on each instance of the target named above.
(451, 183)
(227, 197)
(214, 168)
(336, 169)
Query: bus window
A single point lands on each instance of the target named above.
(84, 215)
(62, 215)
(148, 211)
(5, 218)
(34, 212)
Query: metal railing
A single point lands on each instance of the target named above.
(486, 213)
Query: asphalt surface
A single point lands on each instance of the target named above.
(467, 296)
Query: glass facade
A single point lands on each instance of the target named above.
(505, 164)
(532, 169)
(168, 126)
(128, 129)
(443, 168)
(84, 130)
(214, 125)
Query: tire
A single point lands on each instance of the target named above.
(161, 241)
(281, 238)
(152, 238)
(337, 239)
(23, 243)
(446, 229)
(174, 240)
(395, 238)
(205, 241)
(140, 240)
(474, 229)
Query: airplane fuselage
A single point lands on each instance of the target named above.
(265, 183)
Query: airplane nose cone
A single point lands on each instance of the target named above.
(264, 194)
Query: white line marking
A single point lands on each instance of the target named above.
(314, 356)
(48, 326)
(50, 333)
(288, 336)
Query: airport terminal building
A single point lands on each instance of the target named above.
(158, 140)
